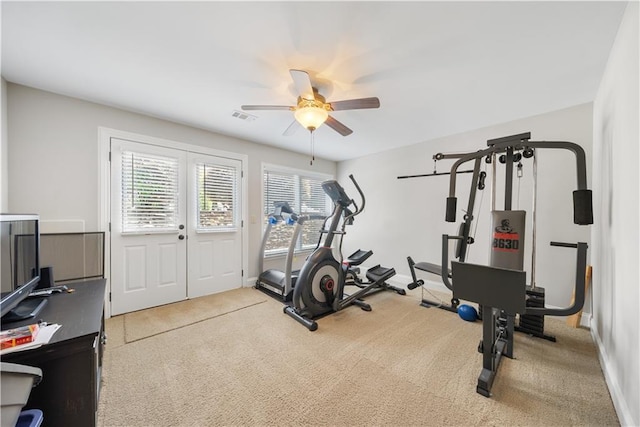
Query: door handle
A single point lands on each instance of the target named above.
(181, 236)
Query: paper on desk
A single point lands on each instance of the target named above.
(44, 336)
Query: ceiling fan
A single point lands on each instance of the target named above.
(312, 110)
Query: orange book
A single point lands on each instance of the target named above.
(22, 335)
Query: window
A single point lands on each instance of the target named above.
(149, 192)
(305, 195)
(216, 196)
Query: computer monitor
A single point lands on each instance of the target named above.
(19, 265)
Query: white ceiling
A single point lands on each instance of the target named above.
(439, 68)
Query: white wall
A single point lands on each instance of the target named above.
(4, 162)
(615, 254)
(54, 170)
(406, 217)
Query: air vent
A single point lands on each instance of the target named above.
(243, 116)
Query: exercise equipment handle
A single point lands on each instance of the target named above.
(359, 191)
(431, 174)
(445, 259)
(564, 245)
(582, 197)
(581, 267)
(358, 209)
(412, 269)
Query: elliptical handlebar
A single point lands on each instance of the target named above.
(358, 210)
(359, 191)
(341, 201)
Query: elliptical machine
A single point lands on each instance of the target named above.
(320, 286)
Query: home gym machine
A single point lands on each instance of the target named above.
(320, 286)
(276, 282)
(477, 184)
(500, 288)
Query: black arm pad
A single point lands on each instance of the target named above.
(450, 216)
(582, 207)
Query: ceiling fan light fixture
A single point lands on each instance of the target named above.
(311, 116)
(312, 110)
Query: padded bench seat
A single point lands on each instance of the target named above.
(430, 268)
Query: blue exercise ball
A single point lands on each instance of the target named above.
(467, 313)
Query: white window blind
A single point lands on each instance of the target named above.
(279, 187)
(217, 196)
(305, 195)
(314, 201)
(149, 192)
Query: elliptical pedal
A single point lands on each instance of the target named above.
(380, 275)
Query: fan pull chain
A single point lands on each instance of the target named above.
(313, 157)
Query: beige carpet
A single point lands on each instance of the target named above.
(147, 323)
(399, 365)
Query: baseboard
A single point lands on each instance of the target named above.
(619, 402)
(250, 283)
(585, 318)
(399, 281)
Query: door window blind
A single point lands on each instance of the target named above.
(217, 196)
(149, 192)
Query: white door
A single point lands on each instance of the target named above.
(176, 229)
(148, 210)
(214, 225)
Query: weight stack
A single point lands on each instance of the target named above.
(533, 324)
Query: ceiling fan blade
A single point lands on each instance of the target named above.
(355, 104)
(338, 127)
(267, 107)
(302, 82)
(293, 127)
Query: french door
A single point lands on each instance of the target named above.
(214, 225)
(175, 225)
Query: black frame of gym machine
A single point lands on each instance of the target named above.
(486, 284)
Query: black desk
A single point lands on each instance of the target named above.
(71, 362)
